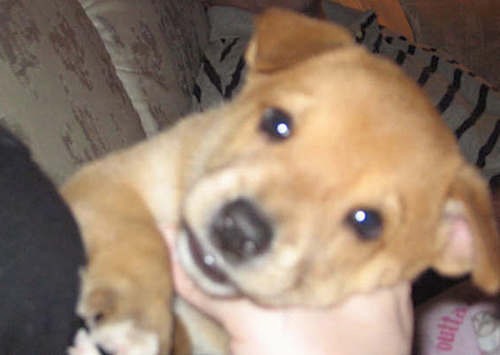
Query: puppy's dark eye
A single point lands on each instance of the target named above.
(366, 222)
(276, 123)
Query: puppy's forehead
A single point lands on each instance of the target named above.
(359, 112)
(349, 83)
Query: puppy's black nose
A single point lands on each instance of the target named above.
(240, 231)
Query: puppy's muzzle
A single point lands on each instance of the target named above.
(240, 231)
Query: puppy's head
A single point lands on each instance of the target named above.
(330, 174)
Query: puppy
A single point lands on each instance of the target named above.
(330, 174)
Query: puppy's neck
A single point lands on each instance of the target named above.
(171, 161)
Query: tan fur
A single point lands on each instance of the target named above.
(364, 136)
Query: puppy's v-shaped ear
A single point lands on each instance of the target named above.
(467, 228)
(283, 38)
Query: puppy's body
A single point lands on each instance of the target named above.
(264, 194)
(125, 205)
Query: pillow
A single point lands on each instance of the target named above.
(155, 47)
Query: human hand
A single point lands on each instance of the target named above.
(380, 322)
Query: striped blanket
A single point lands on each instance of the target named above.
(468, 104)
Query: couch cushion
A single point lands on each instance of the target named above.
(58, 89)
(155, 46)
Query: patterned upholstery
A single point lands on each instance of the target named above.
(59, 90)
(155, 49)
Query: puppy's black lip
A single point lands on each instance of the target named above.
(199, 256)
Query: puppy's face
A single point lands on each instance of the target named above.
(332, 175)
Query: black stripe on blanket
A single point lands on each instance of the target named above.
(448, 97)
(400, 59)
(495, 182)
(197, 92)
(377, 44)
(371, 19)
(476, 113)
(488, 147)
(428, 70)
(212, 74)
(235, 78)
(227, 49)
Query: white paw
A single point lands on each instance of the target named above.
(123, 338)
(120, 338)
(83, 345)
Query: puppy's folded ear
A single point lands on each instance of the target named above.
(283, 38)
(467, 229)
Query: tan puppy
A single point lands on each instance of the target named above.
(330, 174)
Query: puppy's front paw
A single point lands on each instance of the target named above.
(125, 316)
(83, 344)
(125, 338)
(119, 338)
(101, 305)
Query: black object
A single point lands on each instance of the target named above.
(40, 254)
